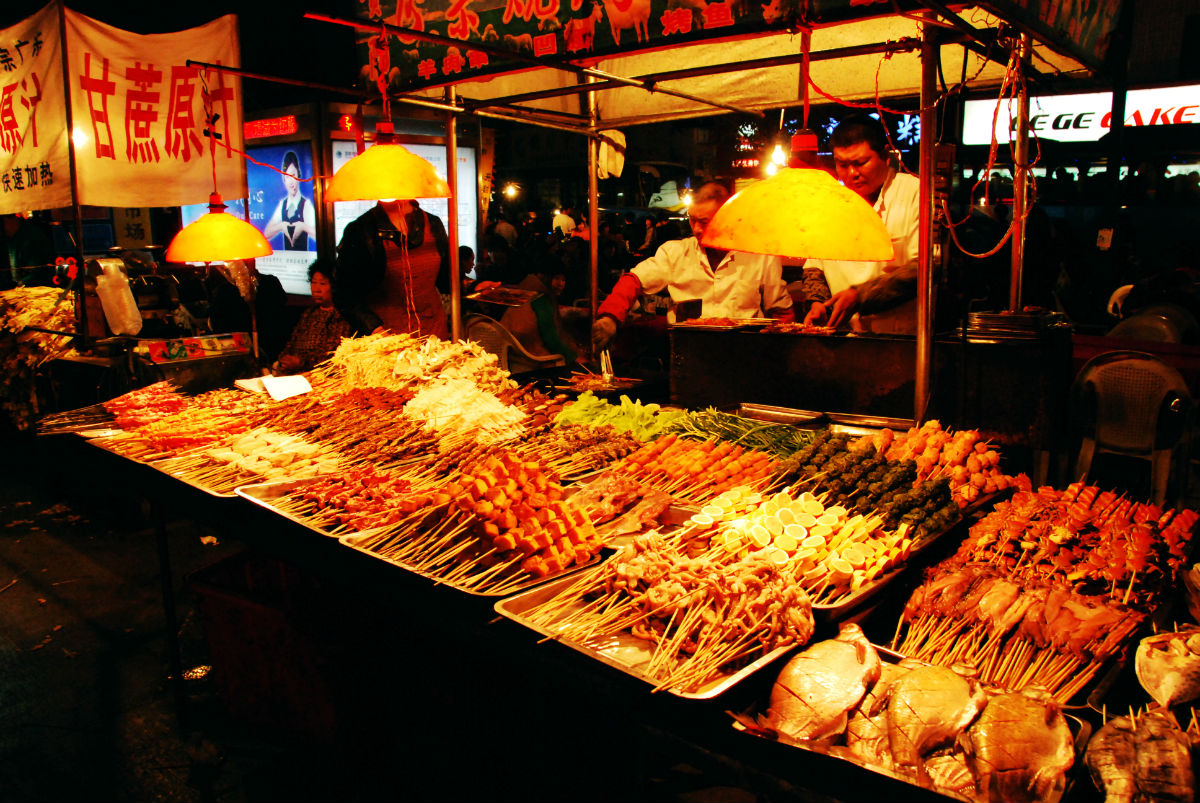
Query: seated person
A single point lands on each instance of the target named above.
(320, 329)
(537, 324)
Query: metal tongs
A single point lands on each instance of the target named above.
(606, 371)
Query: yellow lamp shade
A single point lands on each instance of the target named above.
(386, 170)
(800, 212)
(217, 237)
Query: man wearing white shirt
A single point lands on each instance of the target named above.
(883, 294)
(740, 285)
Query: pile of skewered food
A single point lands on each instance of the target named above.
(574, 450)
(780, 440)
(696, 472)
(258, 455)
(830, 553)
(1047, 587)
(146, 405)
(865, 468)
(501, 523)
(929, 725)
(697, 619)
(643, 421)
(402, 361)
(23, 348)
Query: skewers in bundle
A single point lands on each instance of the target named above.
(358, 499)
(643, 421)
(780, 440)
(176, 435)
(704, 618)
(258, 455)
(573, 451)
(831, 553)
(1047, 587)
(506, 524)
(696, 472)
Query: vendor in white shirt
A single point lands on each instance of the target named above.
(740, 286)
(881, 294)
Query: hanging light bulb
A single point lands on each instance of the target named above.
(386, 170)
(217, 236)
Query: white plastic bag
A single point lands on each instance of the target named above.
(116, 298)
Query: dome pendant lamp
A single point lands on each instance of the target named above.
(800, 212)
(217, 237)
(384, 171)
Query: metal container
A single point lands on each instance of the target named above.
(624, 653)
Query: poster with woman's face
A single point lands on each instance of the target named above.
(281, 207)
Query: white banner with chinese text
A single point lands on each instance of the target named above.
(33, 116)
(139, 113)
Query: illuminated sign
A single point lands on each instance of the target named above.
(745, 163)
(1083, 117)
(272, 127)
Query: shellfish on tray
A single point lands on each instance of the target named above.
(1168, 665)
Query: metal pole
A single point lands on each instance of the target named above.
(1020, 183)
(81, 324)
(456, 327)
(930, 53)
(593, 146)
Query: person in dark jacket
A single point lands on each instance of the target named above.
(393, 263)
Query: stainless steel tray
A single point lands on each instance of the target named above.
(566, 575)
(873, 421)
(265, 494)
(780, 415)
(166, 467)
(624, 653)
(100, 443)
(1081, 732)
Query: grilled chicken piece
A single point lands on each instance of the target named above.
(867, 730)
(1021, 748)
(817, 687)
(1163, 762)
(1110, 759)
(928, 707)
(1168, 666)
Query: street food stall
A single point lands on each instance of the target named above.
(846, 606)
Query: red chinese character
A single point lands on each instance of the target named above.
(453, 62)
(545, 44)
(408, 15)
(98, 91)
(527, 9)
(718, 15)
(477, 59)
(10, 132)
(463, 21)
(426, 68)
(677, 20)
(30, 101)
(181, 123)
(141, 112)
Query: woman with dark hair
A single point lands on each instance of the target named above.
(321, 327)
(294, 217)
(393, 264)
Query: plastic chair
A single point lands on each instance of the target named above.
(1166, 323)
(514, 358)
(1133, 404)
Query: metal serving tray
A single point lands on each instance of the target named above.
(1081, 731)
(166, 467)
(101, 443)
(872, 421)
(624, 652)
(265, 494)
(779, 415)
(566, 575)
